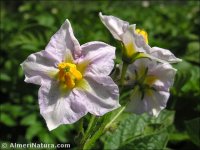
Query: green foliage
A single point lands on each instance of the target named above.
(193, 129)
(26, 27)
(7, 120)
(186, 82)
(153, 141)
(143, 128)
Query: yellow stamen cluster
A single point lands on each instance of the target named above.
(68, 74)
(143, 33)
(150, 80)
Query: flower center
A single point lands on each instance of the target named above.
(143, 33)
(145, 82)
(150, 80)
(68, 74)
(143, 78)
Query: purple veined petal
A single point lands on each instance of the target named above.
(122, 31)
(115, 25)
(139, 66)
(63, 43)
(136, 105)
(156, 102)
(133, 41)
(164, 54)
(165, 74)
(99, 57)
(140, 41)
(151, 104)
(59, 108)
(102, 96)
(39, 67)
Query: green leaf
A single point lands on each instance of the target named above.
(192, 53)
(45, 137)
(7, 120)
(193, 129)
(45, 19)
(165, 118)
(61, 132)
(28, 41)
(187, 79)
(153, 141)
(29, 120)
(135, 126)
(25, 7)
(178, 136)
(32, 131)
(130, 127)
(14, 110)
(5, 77)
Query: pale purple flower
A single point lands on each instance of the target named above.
(151, 83)
(73, 79)
(135, 40)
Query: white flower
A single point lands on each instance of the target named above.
(74, 79)
(135, 40)
(151, 81)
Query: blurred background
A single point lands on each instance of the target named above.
(26, 27)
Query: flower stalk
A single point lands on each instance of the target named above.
(123, 74)
(88, 142)
(115, 117)
(89, 129)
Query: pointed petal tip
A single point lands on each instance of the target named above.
(155, 112)
(67, 20)
(50, 128)
(101, 16)
(132, 27)
(179, 60)
(175, 60)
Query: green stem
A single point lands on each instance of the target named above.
(124, 69)
(92, 119)
(115, 117)
(90, 142)
(87, 133)
(80, 126)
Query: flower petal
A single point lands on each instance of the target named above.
(156, 102)
(164, 54)
(134, 42)
(115, 25)
(103, 95)
(136, 105)
(98, 56)
(151, 104)
(63, 43)
(165, 74)
(39, 67)
(59, 108)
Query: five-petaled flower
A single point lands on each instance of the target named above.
(74, 79)
(151, 82)
(135, 41)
